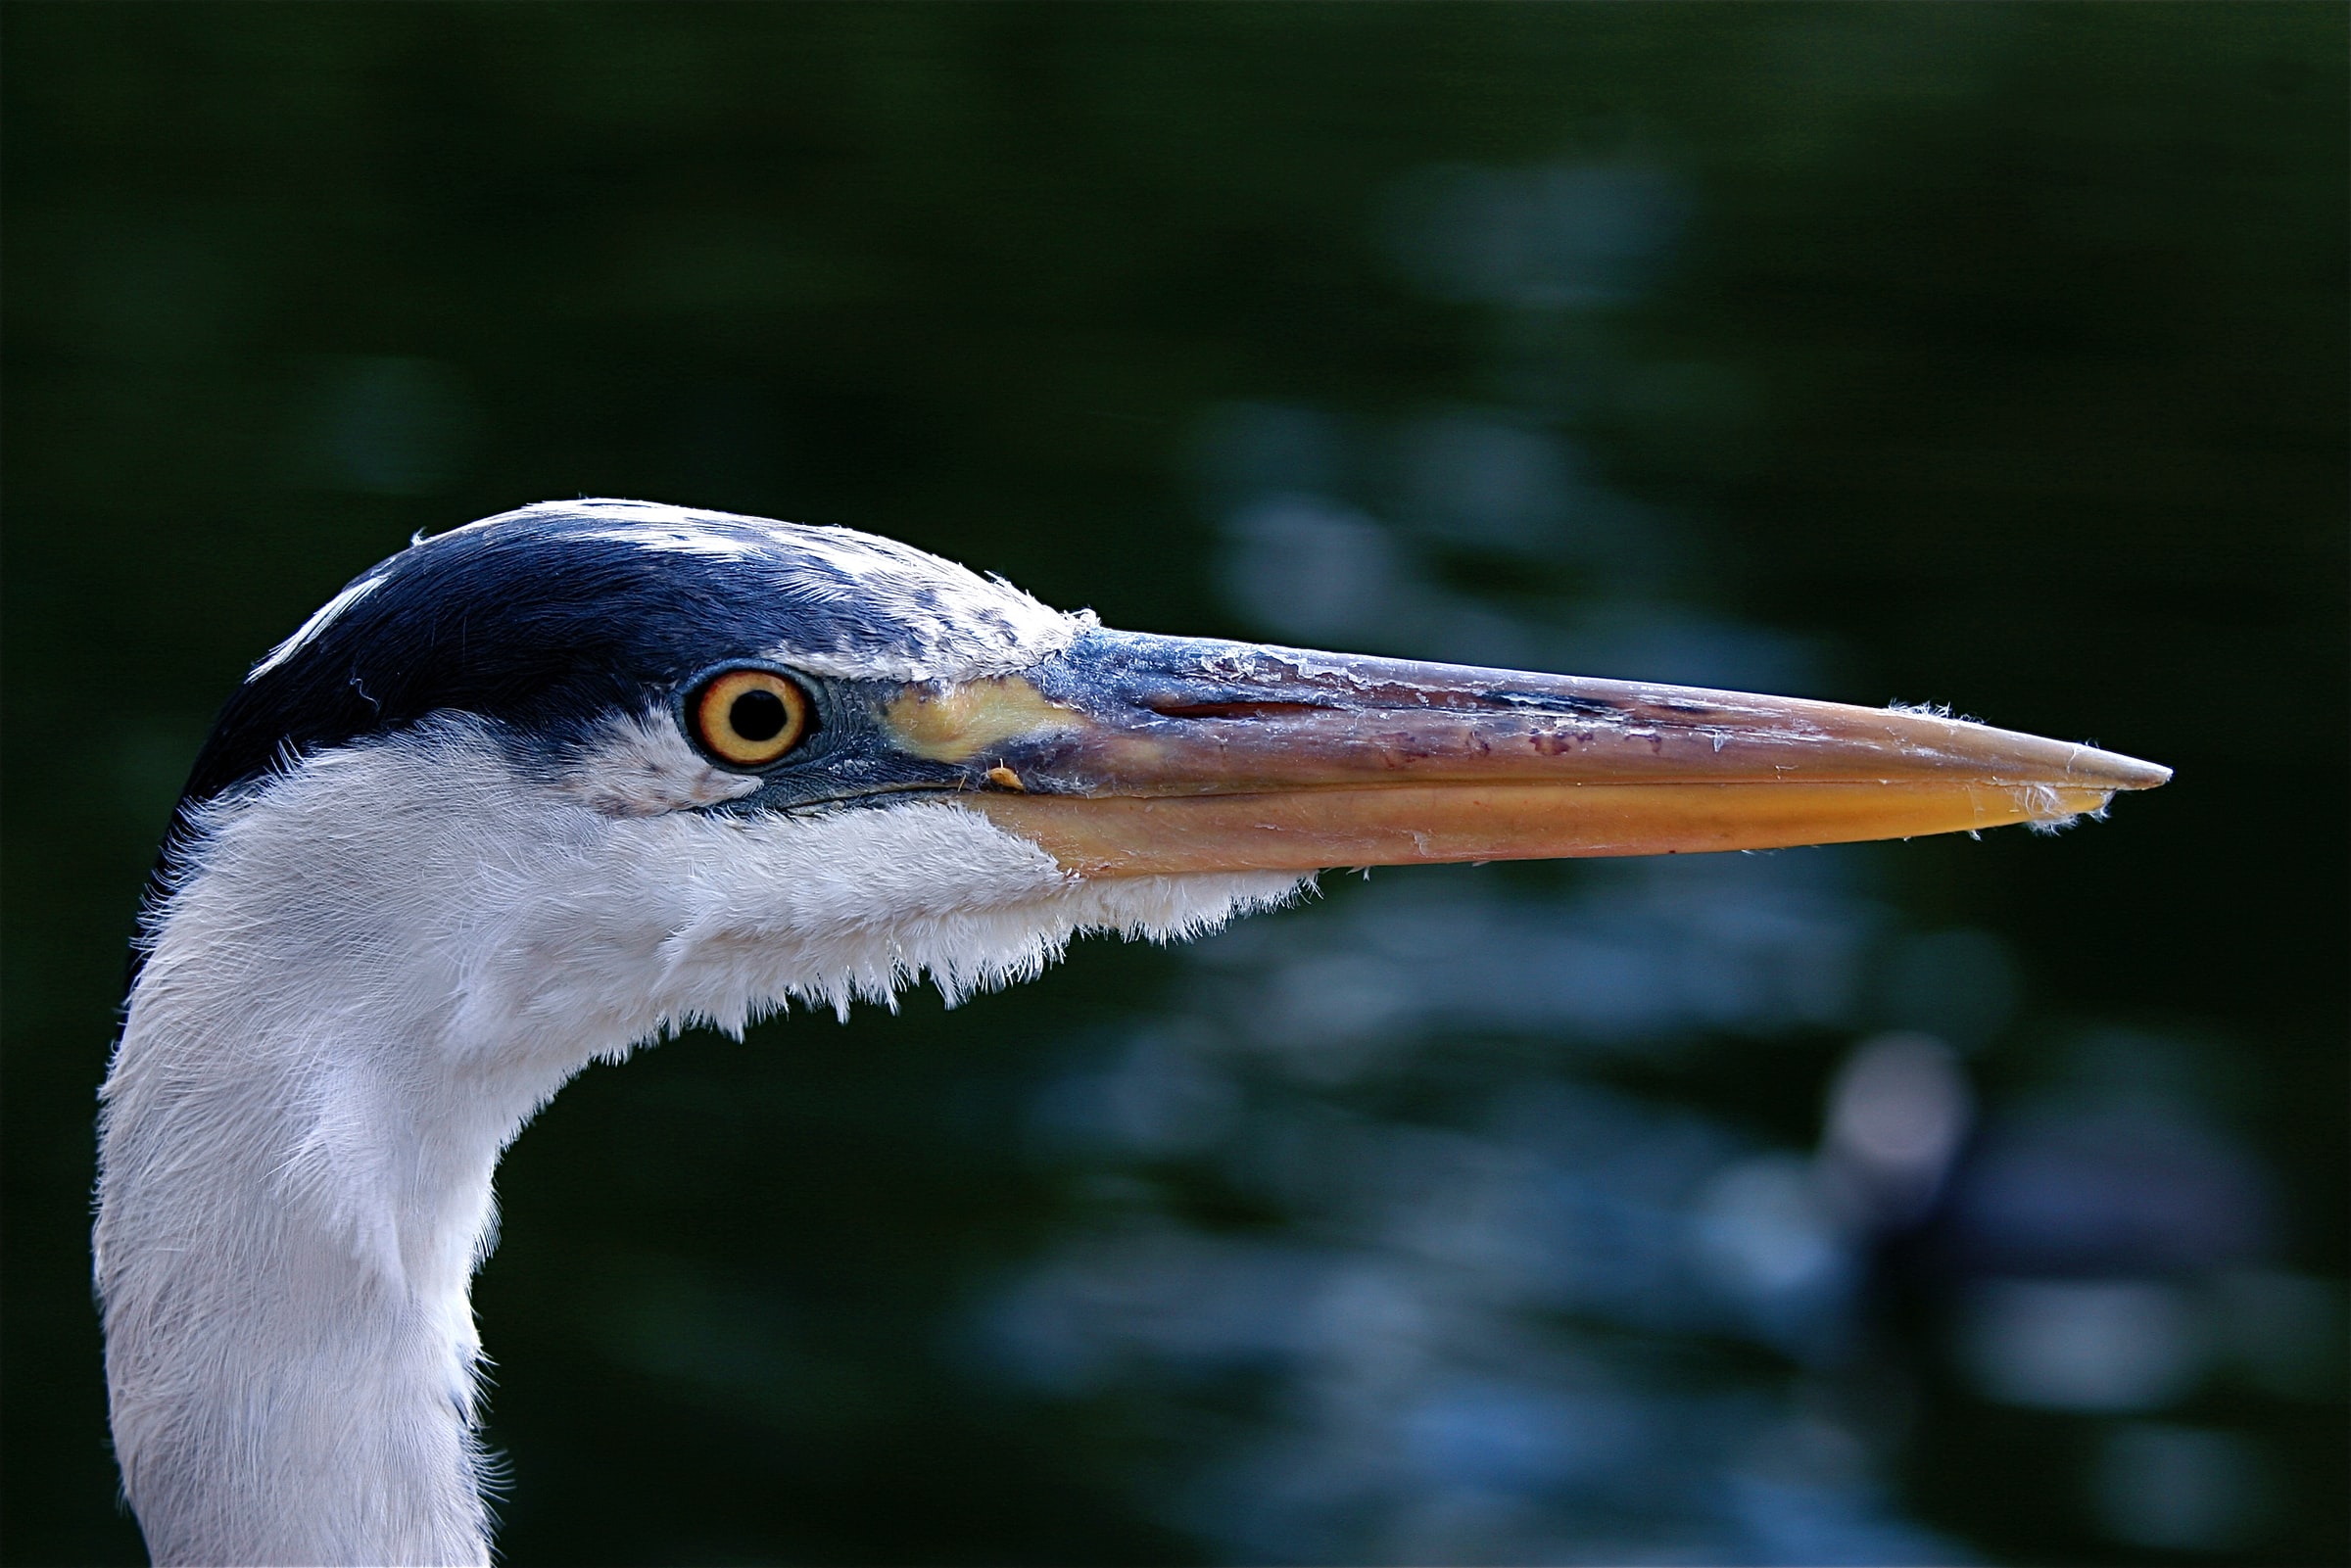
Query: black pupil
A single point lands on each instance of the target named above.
(758, 716)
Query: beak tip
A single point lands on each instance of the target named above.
(2130, 773)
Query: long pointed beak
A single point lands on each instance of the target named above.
(1132, 755)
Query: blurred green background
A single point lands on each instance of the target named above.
(1955, 1200)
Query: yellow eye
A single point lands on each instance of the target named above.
(750, 718)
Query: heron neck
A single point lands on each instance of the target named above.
(282, 1254)
(301, 1127)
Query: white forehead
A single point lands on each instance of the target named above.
(942, 620)
(681, 539)
(321, 619)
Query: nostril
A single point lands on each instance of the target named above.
(1582, 707)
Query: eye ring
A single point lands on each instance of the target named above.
(750, 716)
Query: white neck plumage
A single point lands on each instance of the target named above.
(374, 970)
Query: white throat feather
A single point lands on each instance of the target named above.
(371, 967)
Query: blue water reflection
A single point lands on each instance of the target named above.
(1498, 1339)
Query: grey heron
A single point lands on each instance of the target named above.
(540, 789)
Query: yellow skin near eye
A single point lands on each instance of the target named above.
(715, 716)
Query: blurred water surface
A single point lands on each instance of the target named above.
(1942, 1202)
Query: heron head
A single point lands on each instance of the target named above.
(760, 759)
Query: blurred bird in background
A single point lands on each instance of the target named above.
(548, 787)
